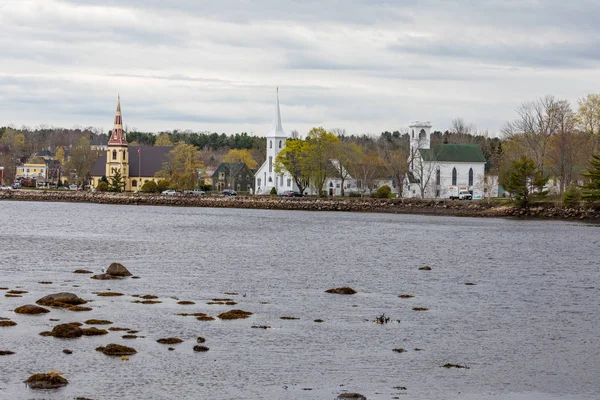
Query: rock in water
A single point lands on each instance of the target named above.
(105, 277)
(62, 299)
(342, 290)
(31, 309)
(51, 380)
(116, 269)
(355, 396)
(116, 350)
(67, 331)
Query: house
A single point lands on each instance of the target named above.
(235, 176)
(46, 155)
(31, 170)
(136, 164)
(440, 170)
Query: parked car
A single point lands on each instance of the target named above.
(229, 192)
(290, 193)
(73, 187)
(169, 192)
(5, 187)
(194, 192)
(63, 188)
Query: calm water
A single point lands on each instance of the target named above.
(528, 329)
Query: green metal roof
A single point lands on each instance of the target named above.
(453, 153)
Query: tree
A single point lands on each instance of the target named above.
(181, 167)
(12, 144)
(588, 116)
(82, 161)
(292, 158)
(319, 148)
(522, 177)
(367, 172)
(117, 183)
(423, 169)
(536, 122)
(461, 127)
(395, 155)
(163, 140)
(102, 186)
(240, 155)
(591, 190)
(344, 156)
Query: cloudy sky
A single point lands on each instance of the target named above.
(362, 65)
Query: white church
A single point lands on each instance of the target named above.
(266, 178)
(441, 170)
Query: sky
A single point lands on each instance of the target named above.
(361, 65)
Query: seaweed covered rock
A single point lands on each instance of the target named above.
(109, 294)
(98, 322)
(116, 350)
(200, 348)
(234, 314)
(105, 277)
(31, 309)
(66, 331)
(354, 396)
(7, 322)
(80, 308)
(82, 271)
(172, 340)
(342, 290)
(93, 331)
(425, 268)
(116, 269)
(62, 299)
(6, 352)
(51, 380)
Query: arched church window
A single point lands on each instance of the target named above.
(330, 184)
(270, 164)
(270, 144)
(114, 154)
(289, 182)
(134, 183)
(470, 176)
(270, 180)
(280, 143)
(422, 134)
(281, 180)
(437, 177)
(124, 155)
(454, 176)
(413, 133)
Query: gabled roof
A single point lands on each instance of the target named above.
(228, 167)
(453, 153)
(152, 159)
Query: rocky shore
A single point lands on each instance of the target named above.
(395, 206)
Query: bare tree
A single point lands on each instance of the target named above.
(424, 165)
(461, 127)
(395, 155)
(536, 122)
(294, 134)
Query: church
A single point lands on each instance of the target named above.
(266, 178)
(136, 164)
(441, 170)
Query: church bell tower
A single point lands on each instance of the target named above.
(117, 155)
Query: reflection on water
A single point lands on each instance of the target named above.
(527, 328)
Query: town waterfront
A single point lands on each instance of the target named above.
(526, 328)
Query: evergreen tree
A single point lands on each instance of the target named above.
(591, 190)
(117, 183)
(522, 177)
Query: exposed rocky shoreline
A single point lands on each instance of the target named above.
(395, 206)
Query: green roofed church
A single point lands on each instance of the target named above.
(442, 170)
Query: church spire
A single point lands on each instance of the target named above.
(117, 137)
(277, 129)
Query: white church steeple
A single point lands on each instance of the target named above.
(277, 128)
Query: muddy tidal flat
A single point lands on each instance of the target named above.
(237, 304)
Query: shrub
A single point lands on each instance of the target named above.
(383, 192)
(102, 187)
(354, 194)
(572, 197)
(163, 185)
(150, 187)
(273, 191)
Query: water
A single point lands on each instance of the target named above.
(528, 329)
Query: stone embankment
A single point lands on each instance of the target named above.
(399, 206)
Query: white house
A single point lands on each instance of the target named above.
(440, 170)
(266, 178)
